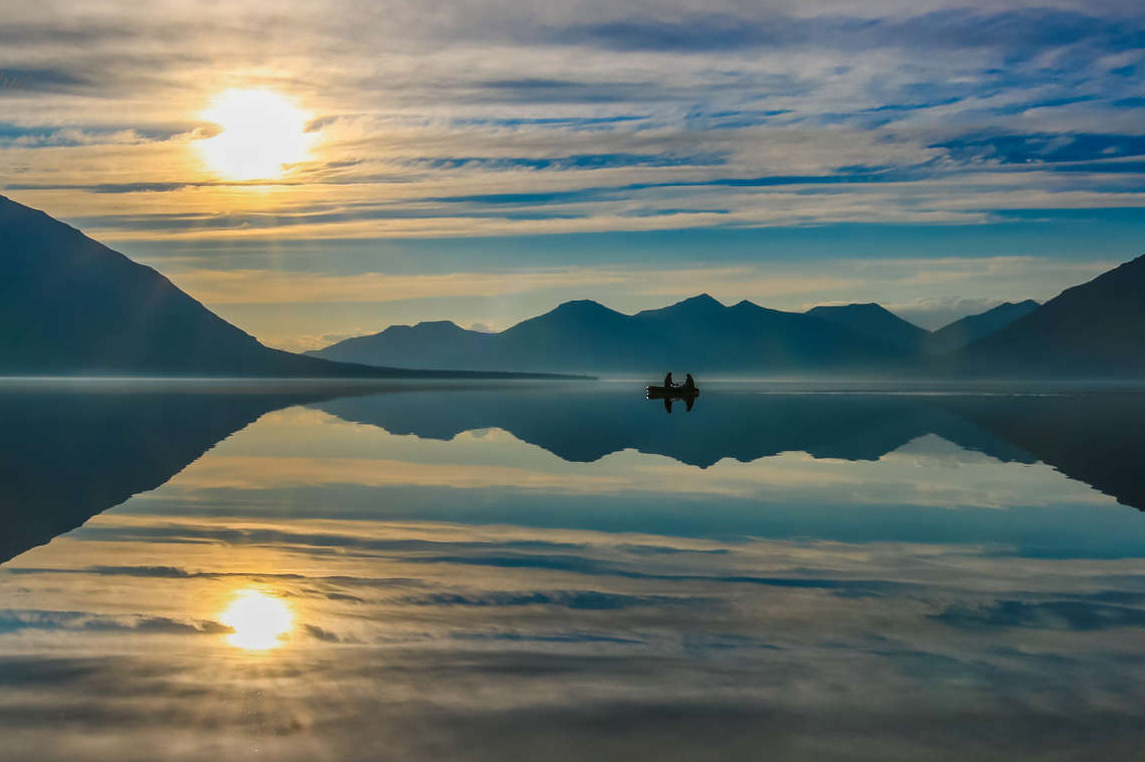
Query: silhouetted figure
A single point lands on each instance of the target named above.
(689, 383)
(668, 381)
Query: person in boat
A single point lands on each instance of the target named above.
(668, 384)
(689, 383)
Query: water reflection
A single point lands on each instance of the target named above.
(1095, 438)
(259, 622)
(68, 452)
(497, 574)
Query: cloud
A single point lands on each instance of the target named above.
(1020, 31)
(927, 291)
(732, 111)
(319, 634)
(285, 287)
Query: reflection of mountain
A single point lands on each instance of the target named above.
(1097, 439)
(587, 426)
(66, 456)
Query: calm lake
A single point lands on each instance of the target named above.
(570, 572)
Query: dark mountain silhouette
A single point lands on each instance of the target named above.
(68, 455)
(958, 334)
(747, 337)
(69, 305)
(1095, 329)
(437, 345)
(586, 336)
(581, 334)
(875, 322)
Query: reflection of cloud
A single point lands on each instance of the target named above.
(249, 472)
(587, 600)
(1073, 615)
(976, 482)
(17, 620)
(715, 636)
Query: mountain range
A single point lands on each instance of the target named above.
(71, 306)
(700, 333)
(582, 335)
(1095, 329)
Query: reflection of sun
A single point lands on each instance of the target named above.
(259, 621)
(261, 131)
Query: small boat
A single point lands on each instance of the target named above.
(672, 392)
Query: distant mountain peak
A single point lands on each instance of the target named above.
(581, 305)
(429, 328)
(704, 298)
(854, 307)
(874, 321)
(701, 305)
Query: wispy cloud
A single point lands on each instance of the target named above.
(506, 119)
(930, 291)
(749, 92)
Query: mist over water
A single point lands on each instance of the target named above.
(569, 572)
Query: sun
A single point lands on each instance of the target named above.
(259, 621)
(261, 132)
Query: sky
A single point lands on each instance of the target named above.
(321, 170)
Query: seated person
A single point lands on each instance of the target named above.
(668, 381)
(689, 382)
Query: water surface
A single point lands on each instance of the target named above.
(570, 572)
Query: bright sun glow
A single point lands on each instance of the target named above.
(261, 131)
(259, 621)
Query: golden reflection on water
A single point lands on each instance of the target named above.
(260, 621)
